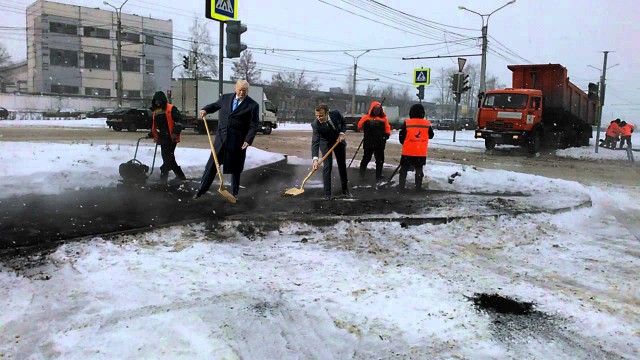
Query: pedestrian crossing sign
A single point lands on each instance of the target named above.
(422, 76)
(221, 10)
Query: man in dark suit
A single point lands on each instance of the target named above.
(329, 127)
(238, 122)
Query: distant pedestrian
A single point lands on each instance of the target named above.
(238, 122)
(328, 128)
(611, 135)
(414, 137)
(626, 129)
(376, 132)
(165, 130)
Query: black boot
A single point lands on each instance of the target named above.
(179, 173)
(164, 176)
(379, 167)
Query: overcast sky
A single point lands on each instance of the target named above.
(573, 33)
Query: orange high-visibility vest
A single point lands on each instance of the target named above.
(626, 130)
(613, 130)
(170, 123)
(416, 141)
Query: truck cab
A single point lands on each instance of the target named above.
(269, 120)
(511, 116)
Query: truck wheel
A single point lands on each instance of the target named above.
(489, 144)
(267, 129)
(117, 128)
(534, 143)
(132, 128)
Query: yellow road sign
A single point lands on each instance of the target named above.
(422, 76)
(222, 10)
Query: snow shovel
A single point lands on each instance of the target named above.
(134, 171)
(296, 191)
(225, 193)
(386, 184)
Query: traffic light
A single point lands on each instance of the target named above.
(234, 46)
(465, 83)
(420, 93)
(185, 62)
(169, 96)
(456, 82)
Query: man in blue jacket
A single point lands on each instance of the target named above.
(238, 122)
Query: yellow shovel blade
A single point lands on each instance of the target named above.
(293, 192)
(227, 195)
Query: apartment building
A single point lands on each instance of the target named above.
(72, 50)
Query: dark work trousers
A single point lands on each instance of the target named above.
(411, 162)
(210, 174)
(169, 161)
(623, 139)
(378, 152)
(341, 158)
(609, 142)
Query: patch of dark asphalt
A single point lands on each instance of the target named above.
(518, 325)
(35, 223)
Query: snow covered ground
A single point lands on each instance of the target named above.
(357, 290)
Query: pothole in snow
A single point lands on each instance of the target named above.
(501, 304)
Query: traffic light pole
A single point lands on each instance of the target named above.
(195, 76)
(220, 55)
(455, 115)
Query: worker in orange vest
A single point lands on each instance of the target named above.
(625, 133)
(376, 132)
(611, 136)
(414, 137)
(166, 129)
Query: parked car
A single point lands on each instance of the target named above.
(4, 113)
(130, 119)
(64, 113)
(100, 112)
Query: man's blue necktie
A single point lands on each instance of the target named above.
(235, 104)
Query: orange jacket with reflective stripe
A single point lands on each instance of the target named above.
(170, 124)
(613, 130)
(626, 130)
(416, 141)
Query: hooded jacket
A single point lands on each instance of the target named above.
(166, 120)
(375, 125)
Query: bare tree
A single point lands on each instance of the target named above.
(245, 69)
(202, 51)
(371, 91)
(5, 58)
(296, 92)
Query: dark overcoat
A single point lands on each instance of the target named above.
(234, 128)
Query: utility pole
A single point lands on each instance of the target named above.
(355, 70)
(485, 26)
(195, 75)
(220, 56)
(601, 98)
(119, 85)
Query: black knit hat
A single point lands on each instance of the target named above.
(416, 111)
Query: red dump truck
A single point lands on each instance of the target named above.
(542, 108)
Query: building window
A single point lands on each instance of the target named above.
(130, 64)
(92, 31)
(151, 68)
(62, 28)
(64, 89)
(132, 94)
(131, 37)
(97, 61)
(149, 39)
(97, 91)
(67, 58)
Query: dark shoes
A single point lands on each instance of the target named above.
(327, 197)
(196, 196)
(347, 194)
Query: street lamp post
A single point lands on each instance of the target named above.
(119, 87)
(485, 25)
(355, 68)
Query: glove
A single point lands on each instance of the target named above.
(150, 134)
(386, 137)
